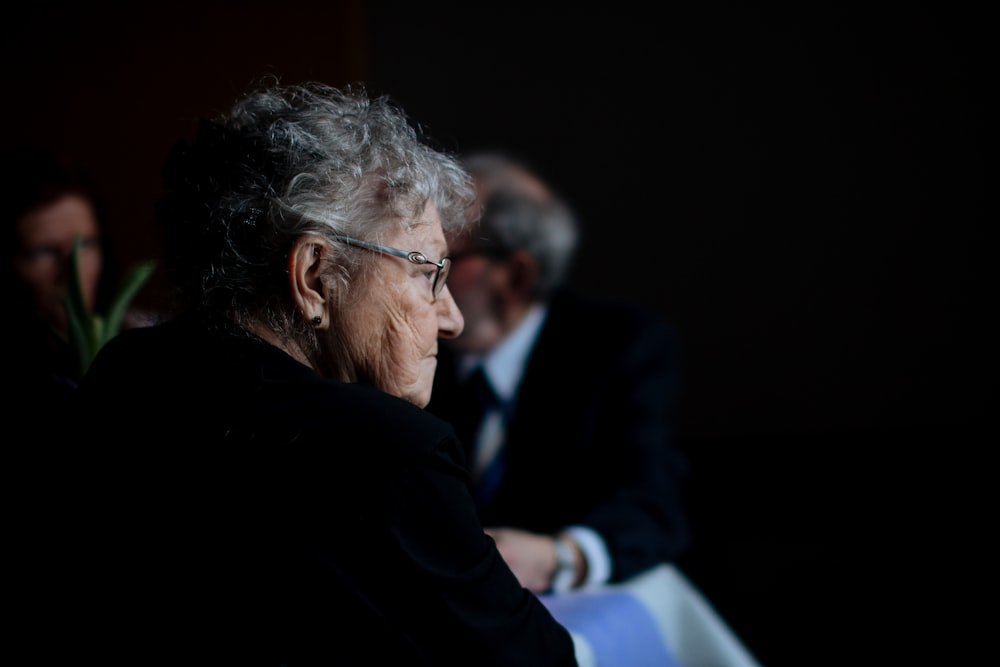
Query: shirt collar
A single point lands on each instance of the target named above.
(504, 365)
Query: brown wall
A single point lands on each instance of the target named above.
(803, 191)
(114, 88)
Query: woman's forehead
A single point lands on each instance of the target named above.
(426, 230)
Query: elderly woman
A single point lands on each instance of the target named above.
(269, 489)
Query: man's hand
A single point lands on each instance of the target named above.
(532, 557)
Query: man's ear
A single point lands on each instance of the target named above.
(305, 263)
(522, 274)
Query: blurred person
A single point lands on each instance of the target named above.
(279, 494)
(573, 466)
(47, 203)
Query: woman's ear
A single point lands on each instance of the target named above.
(305, 263)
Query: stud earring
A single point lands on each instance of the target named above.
(317, 320)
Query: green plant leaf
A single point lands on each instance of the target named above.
(79, 330)
(87, 331)
(134, 280)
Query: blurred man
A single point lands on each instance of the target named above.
(571, 459)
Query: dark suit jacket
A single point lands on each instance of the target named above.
(589, 441)
(232, 507)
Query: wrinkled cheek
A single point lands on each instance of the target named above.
(401, 352)
(357, 338)
(374, 338)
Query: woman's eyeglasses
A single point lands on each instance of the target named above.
(442, 267)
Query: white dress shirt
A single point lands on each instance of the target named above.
(504, 367)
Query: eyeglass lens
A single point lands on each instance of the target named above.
(441, 276)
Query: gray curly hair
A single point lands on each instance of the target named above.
(283, 162)
(519, 212)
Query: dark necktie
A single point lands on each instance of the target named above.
(484, 433)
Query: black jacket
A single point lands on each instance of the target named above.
(235, 507)
(590, 439)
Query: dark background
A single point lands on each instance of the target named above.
(800, 187)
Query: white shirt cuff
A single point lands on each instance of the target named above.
(595, 551)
